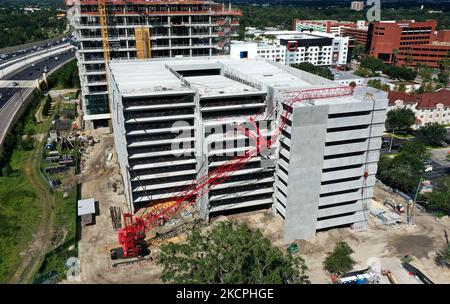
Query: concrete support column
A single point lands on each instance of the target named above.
(307, 143)
(201, 155)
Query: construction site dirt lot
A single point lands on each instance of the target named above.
(101, 180)
(378, 244)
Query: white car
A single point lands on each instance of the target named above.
(429, 168)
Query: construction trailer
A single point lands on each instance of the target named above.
(86, 211)
(140, 29)
(178, 135)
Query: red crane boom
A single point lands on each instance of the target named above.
(135, 227)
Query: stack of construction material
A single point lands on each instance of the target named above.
(387, 218)
(116, 217)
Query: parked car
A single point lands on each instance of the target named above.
(429, 168)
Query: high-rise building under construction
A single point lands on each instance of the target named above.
(143, 29)
(178, 130)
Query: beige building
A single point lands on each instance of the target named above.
(357, 6)
(428, 107)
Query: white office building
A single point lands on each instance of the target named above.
(320, 49)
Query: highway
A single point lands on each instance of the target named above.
(19, 84)
(33, 72)
(12, 56)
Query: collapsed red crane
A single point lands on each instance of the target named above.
(133, 232)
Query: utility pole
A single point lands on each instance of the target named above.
(414, 201)
(392, 140)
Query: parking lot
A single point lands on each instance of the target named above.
(439, 163)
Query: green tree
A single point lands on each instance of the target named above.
(19, 27)
(47, 105)
(372, 63)
(439, 199)
(416, 148)
(229, 253)
(317, 70)
(401, 88)
(363, 72)
(377, 84)
(249, 36)
(400, 119)
(443, 77)
(358, 50)
(425, 73)
(394, 56)
(258, 39)
(400, 72)
(428, 87)
(271, 37)
(66, 77)
(432, 134)
(26, 143)
(444, 71)
(339, 261)
(402, 172)
(7, 170)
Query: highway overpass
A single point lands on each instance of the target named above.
(21, 78)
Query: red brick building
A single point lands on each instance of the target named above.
(414, 42)
(359, 34)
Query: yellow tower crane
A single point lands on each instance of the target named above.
(104, 29)
(105, 45)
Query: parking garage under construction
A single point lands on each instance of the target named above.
(177, 121)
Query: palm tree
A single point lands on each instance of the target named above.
(394, 57)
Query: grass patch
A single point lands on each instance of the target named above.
(19, 204)
(66, 77)
(400, 135)
(19, 212)
(71, 95)
(53, 268)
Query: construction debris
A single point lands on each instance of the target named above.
(116, 217)
(386, 217)
(392, 279)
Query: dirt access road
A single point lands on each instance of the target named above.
(41, 243)
(101, 180)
